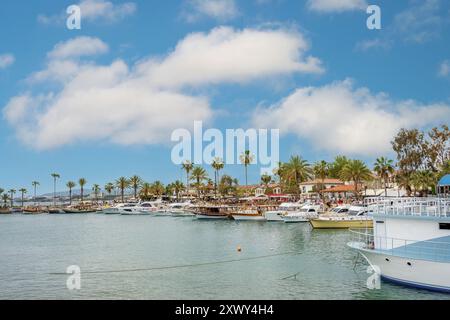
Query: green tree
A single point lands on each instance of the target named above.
(199, 175)
(357, 172)
(12, 192)
(82, 182)
(188, 167)
(22, 191)
(336, 166)
(135, 183)
(296, 171)
(158, 188)
(109, 188)
(122, 183)
(96, 189)
(247, 159)
(385, 169)
(55, 177)
(5, 199)
(217, 165)
(35, 184)
(146, 191)
(70, 185)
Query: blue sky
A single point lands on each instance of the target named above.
(310, 68)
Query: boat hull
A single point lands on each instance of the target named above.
(423, 274)
(295, 220)
(274, 216)
(341, 224)
(211, 217)
(244, 217)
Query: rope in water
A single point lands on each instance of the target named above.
(185, 265)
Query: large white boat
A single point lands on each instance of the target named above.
(304, 214)
(282, 210)
(410, 243)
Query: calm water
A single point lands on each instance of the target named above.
(34, 247)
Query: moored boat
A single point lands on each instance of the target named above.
(212, 212)
(410, 242)
(5, 211)
(304, 214)
(354, 217)
(250, 214)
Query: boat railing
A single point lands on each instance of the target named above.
(417, 207)
(423, 250)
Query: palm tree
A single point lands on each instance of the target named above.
(199, 175)
(246, 159)
(422, 181)
(266, 179)
(109, 188)
(321, 171)
(357, 172)
(122, 183)
(70, 185)
(35, 184)
(135, 183)
(55, 177)
(146, 191)
(217, 165)
(22, 191)
(178, 187)
(279, 172)
(12, 192)
(1, 191)
(82, 182)
(5, 199)
(297, 170)
(384, 169)
(96, 189)
(158, 188)
(187, 166)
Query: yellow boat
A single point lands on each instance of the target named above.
(341, 223)
(354, 217)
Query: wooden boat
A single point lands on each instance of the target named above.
(5, 211)
(79, 210)
(249, 214)
(212, 212)
(32, 210)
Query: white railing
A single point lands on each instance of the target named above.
(423, 250)
(420, 207)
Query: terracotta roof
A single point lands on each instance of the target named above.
(343, 188)
(319, 181)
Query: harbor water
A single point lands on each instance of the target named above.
(142, 257)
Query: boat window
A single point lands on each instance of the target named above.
(444, 226)
(311, 210)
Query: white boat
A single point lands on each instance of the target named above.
(303, 214)
(149, 207)
(410, 243)
(133, 209)
(344, 217)
(181, 209)
(283, 209)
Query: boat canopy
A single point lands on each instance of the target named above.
(445, 181)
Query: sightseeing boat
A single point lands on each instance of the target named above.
(212, 212)
(352, 217)
(180, 209)
(32, 210)
(410, 242)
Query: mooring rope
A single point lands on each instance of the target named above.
(185, 265)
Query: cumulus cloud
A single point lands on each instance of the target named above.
(327, 6)
(6, 60)
(229, 55)
(343, 119)
(95, 10)
(221, 10)
(142, 103)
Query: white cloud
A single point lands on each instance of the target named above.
(78, 47)
(6, 60)
(444, 68)
(95, 10)
(142, 103)
(327, 6)
(228, 55)
(221, 10)
(342, 119)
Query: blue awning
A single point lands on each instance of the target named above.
(445, 181)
